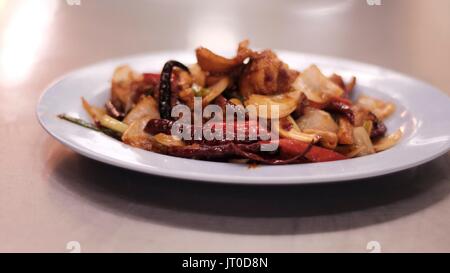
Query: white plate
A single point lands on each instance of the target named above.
(423, 112)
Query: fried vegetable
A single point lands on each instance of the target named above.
(124, 86)
(113, 111)
(79, 121)
(294, 132)
(368, 125)
(327, 139)
(378, 128)
(156, 126)
(345, 132)
(169, 140)
(215, 90)
(360, 115)
(350, 86)
(350, 151)
(362, 142)
(113, 124)
(146, 107)
(337, 79)
(88, 125)
(136, 136)
(318, 120)
(235, 101)
(290, 147)
(208, 61)
(341, 106)
(388, 142)
(165, 91)
(196, 151)
(95, 113)
(316, 86)
(380, 108)
(243, 151)
(287, 103)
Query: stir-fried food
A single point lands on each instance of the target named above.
(305, 115)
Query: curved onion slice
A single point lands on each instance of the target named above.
(380, 108)
(136, 136)
(215, 90)
(296, 133)
(286, 102)
(328, 140)
(169, 140)
(362, 142)
(318, 120)
(146, 107)
(316, 86)
(388, 141)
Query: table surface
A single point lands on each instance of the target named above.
(50, 196)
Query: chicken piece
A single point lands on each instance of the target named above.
(211, 62)
(266, 75)
(345, 132)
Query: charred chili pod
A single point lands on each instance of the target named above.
(112, 110)
(379, 128)
(218, 152)
(165, 92)
(243, 151)
(157, 126)
(164, 126)
(340, 107)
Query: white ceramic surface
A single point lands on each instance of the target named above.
(422, 112)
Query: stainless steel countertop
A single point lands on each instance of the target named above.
(50, 195)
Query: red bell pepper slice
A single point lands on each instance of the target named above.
(291, 148)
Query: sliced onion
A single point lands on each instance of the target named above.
(388, 141)
(345, 132)
(296, 133)
(215, 90)
(169, 140)
(286, 102)
(328, 139)
(136, 136)
(380, 108)
(362, 141)
(146, 107)
(318, 120)
(316, 86)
